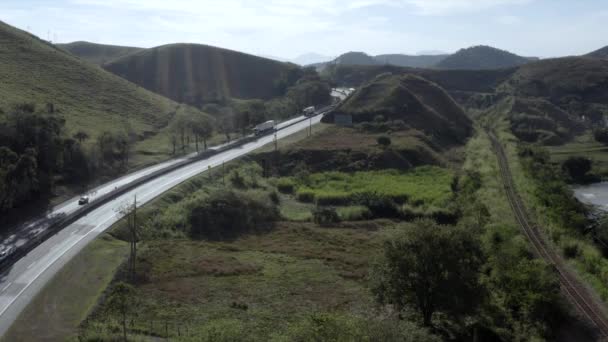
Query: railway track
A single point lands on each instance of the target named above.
(574, 290)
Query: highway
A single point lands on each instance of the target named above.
(24, 279)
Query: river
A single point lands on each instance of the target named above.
(595, 194)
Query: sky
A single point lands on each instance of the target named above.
(289, 28)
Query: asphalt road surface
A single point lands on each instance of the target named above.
(21, 282)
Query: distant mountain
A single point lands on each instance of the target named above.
(601, 53)
(197, 74)
(431, 53)
(482, 57)
(356, 58)
(98, 53)
(311, 58)
(421, 61)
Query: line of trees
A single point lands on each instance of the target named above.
(37, 153)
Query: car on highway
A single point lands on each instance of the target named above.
(83, 200)
(6, 252)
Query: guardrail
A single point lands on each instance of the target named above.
(68, 219)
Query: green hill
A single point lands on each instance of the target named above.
(98, 53)
(578, 85)
(482, 57)
(198, 74)
(86, 96)
(419, 103)
(538, 120)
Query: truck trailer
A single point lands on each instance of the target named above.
(310, 111)
(265, 127)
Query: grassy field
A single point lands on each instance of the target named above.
(585, 146)
(263, 282)
(425, 185)
(56, 312)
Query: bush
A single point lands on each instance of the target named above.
(601, 135)
(384, 141)
(274, 198)
(286, 185)
(227, 214)
(571, 251)
(306, 196)
(333, 199)
(577, 167)
(354, 213)
(325, 216)
(409, 212)
(379, 205)
(237, 180)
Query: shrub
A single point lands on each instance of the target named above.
(236, 179)
(286, 185)
(274, 198)
(379, 205)
(306, 196)
(354, 213)
(333, 199)
(384, 141)
(409, 212)
(601, 135)
(577, 167)
(227, 214)
(325, 216)
(571, 251)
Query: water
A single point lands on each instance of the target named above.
(595, 194)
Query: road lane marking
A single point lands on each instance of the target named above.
(243, 150)
(31, 265)
(7, 286)
(49, 265)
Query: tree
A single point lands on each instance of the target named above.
(431, 268)
(81, 136)
(202, 128)
(601, 135)
(227, 214)
(577, 167)
(384, 141)
(122, 301)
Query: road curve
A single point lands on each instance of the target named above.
(20, 283)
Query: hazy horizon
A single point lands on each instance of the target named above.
(287, 29)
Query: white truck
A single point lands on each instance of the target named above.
(264, 127)
(310, 111)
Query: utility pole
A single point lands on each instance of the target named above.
(310, 127)
(134, 238)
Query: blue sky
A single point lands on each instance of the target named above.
(288, 28)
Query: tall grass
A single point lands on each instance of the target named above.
(427, 185)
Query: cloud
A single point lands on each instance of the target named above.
(447, 7)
